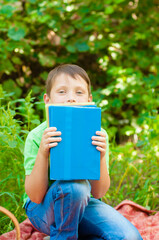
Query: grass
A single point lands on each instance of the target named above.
(134, 176)
(133, 165)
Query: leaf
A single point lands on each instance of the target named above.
(71, 48)
(88, 27)
(28, 98)
(12, 144)
(109, 10)
(45, 18)
(36, 121)
(32, 1)
(7, 10)
(108, 1)
(117, 103)
(140, 143)
(46, 60)
(16, 33)
(119, 1)
(10, 86)
(84, 10)
(16, 60)
(128, 130)
(134, 99)
(82, 47)
(6, 66)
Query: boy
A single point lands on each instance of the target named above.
(64, 209)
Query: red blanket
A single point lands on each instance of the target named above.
(143, 220)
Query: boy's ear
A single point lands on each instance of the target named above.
(46, 98)
(90, 98)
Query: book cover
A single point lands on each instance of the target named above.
(75, 157)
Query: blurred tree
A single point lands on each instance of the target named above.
(115, 41)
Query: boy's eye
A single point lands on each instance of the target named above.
(79, 92)
(61, 91)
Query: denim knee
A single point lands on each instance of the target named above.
(79, 189)
(133, 234)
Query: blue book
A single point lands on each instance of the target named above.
(75, 157)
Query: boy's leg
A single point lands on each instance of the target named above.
(102, 221)
(90, 238)
(61, 210)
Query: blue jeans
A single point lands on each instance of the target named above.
(68, 212)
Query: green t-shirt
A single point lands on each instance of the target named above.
(32, 146)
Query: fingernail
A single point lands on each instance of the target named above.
(54, 128)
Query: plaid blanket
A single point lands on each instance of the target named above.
(146, 221)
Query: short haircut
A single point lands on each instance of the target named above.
(70, 69)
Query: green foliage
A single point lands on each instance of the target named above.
(125, 102)
(133, 166)
(12, 136)
(116, 41)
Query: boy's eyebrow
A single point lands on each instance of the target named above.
(65, 85)
(61, 86)
(80, 87)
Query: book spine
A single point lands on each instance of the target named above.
(68, 142)
(47, 115)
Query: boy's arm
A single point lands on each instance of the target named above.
(100, 187)
(36, 184)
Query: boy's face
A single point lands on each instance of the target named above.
(66, 89)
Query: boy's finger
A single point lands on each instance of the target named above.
(100, 139)
(56, 139)
(49, 129)
(52, 144)
(100, 149)
(100, 144)
(56, 133)
(52, 134)
(101, 133)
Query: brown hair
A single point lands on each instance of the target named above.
(70, 69)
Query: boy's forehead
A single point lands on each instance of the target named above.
(66, 79)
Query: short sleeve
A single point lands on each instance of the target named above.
(107, 149)
(30, 153)
(32, 144)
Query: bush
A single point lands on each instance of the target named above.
(115, 41)
(133, 166)
(15, 122)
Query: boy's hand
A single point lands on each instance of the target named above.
(50, 138)
(100, 142)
